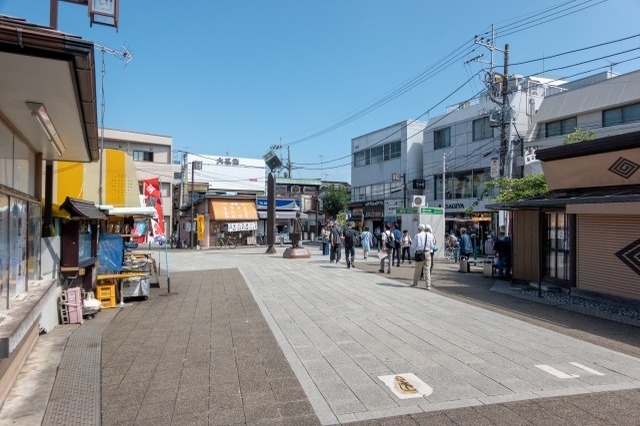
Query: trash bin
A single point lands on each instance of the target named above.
(487, 267)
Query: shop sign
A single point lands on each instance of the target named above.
(376, 203)
(454, 206)
(241, 226)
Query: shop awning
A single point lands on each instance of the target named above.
(82, 209)
(286, 214)
(233, 210)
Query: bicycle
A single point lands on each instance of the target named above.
(451, 253)
(229, 242)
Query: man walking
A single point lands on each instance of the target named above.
(422, 245)
(336, 238)
(350, 236)
(397, 248)
(386, 249)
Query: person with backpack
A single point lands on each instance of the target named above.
(397, 248)
(350, 236)
(386, 249)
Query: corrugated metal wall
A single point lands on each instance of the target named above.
(599, 238)
(525, 245)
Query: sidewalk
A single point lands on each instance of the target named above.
(267, 340)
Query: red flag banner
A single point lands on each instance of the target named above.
(153, 198)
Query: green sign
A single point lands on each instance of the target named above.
(430, 210)
(406, 211)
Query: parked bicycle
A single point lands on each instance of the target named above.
(228, 242)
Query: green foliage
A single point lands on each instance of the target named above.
(512, 189)
(334, 201)
(579, 136)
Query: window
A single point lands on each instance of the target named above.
(377, 154)
(442, 138)
(557, 253)
(482, 129)
(622, 115)
(561, 127)
(143, 156)
(392, 150)
(358, 159)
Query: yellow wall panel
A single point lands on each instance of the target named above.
(70, 179)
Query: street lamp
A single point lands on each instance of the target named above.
(195, 165)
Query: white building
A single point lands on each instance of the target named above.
(385, 164)
(606, 104)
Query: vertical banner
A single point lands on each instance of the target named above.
(153, 198)
(200, 226)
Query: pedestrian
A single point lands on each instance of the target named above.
(488, 246)
(386, 249)
(502, 249)
(326, 232)
(421, 246)
(397, 241)
(406, 246)
(464, 242)
(365, 239)
(429, 230)
(452, 240)
(350, 237)
(377, 236)
(335, 239)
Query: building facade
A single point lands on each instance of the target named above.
(386, 172)
(47, 114)
(152, 156)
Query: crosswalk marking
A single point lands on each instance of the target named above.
(585, 368)
(556, 372)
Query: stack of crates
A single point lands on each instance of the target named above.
(106, 294)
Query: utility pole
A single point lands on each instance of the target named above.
(126, 56)
(505, 122)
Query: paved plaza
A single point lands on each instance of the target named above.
(250, 338)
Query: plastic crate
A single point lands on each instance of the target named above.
(106, 294)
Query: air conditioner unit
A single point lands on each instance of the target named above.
(418, 201)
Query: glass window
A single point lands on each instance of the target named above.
(442, 138)
(557, 242)
(33, 242)
(4, 252)
(561, 127)
(482, 129)
(17, 248)
(142, 156)
(622, 115)
(377, 155)
(358, 159)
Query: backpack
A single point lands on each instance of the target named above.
(389, 241)
(349, 235)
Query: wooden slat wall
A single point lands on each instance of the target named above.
(525, 245)
(599, 238)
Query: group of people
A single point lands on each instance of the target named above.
(396, 246)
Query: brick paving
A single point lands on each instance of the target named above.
(264, 340)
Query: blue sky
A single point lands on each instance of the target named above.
(237, 76)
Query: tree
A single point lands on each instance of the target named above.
(579, 136)
(512, 189)
(335, 200)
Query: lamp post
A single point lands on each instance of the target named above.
(195, 165)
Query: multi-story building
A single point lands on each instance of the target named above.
(386, 172)
(605, 104)
(152, 156)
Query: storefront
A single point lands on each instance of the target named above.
(287, 210)
(237, 218)
(373, 212)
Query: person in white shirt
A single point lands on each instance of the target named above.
(386, 248)
(421, 247)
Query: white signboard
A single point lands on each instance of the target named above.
(495, 167)
(242, 226)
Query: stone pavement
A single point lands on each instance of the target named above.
(251, 338)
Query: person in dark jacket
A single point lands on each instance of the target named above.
(502, 249)
(350, 237)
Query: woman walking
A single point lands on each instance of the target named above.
(365, 238)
